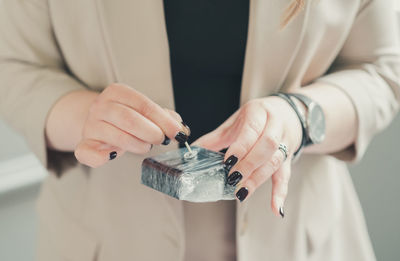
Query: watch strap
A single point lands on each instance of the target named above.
(302, 98)
(307, 103)
(299, 115)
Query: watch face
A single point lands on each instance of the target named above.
(316, 124)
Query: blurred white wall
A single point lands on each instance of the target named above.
(377, 181)
(20, 174)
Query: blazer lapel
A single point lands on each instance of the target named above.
(270, 51)
(135, 34)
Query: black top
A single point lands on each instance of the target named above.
(207, 40)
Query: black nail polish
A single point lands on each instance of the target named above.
(186, 126)
(281, 212)
(234, 178)
(166, 141)
(113, 155)
(242, 194)
(223, 150)
(181, 137)
(230, 162)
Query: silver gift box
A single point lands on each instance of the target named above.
(197, 177)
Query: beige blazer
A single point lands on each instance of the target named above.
(49, 48)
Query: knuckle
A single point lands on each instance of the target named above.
(250, 105)
(149, 134)
(272, 142)
(129, 123)
(282, 181)
(275, 163)
(239, 149)
(147, 109)
(255, 127)
(120, 139)
(246, 108)
(126, 116)
(130, 143)
(133, 145)
(112, 88)
(108, 91)
(251, 184)
(259, 178)
(142, 148)
(281, 193)
(92, 128)
(174, 114)
(249, 165)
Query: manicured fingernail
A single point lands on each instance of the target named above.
(181, 137)
(166, 141)
(281, 212)
(234, 178)
(113, 155)
(187, 128)
(242, 194)
(223, 150)
(230, 162)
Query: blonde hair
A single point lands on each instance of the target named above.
(291, 11)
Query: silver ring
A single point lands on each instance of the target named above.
(284, 149)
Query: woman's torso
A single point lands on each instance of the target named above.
(107, 213)
(207, 43)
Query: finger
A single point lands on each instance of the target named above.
(95, 153)
(260, 175)
(130, 121)
(178, 118)
(174, 114)
(280, 184)
(219, 138)
(215, 140)
(149, 109)
(248, 129)
(109, 134)
(264, 151)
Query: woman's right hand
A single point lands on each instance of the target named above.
(122, 119)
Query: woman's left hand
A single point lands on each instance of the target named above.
(253, 135)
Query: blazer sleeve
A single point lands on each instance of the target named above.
(367, 70)
(33, 75)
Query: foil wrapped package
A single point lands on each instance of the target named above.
(197, 177)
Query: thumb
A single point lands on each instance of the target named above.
(95, 153)
(220, 138)
(215, 140)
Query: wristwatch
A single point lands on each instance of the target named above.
(312, 120)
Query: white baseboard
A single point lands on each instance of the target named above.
(20, 172)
